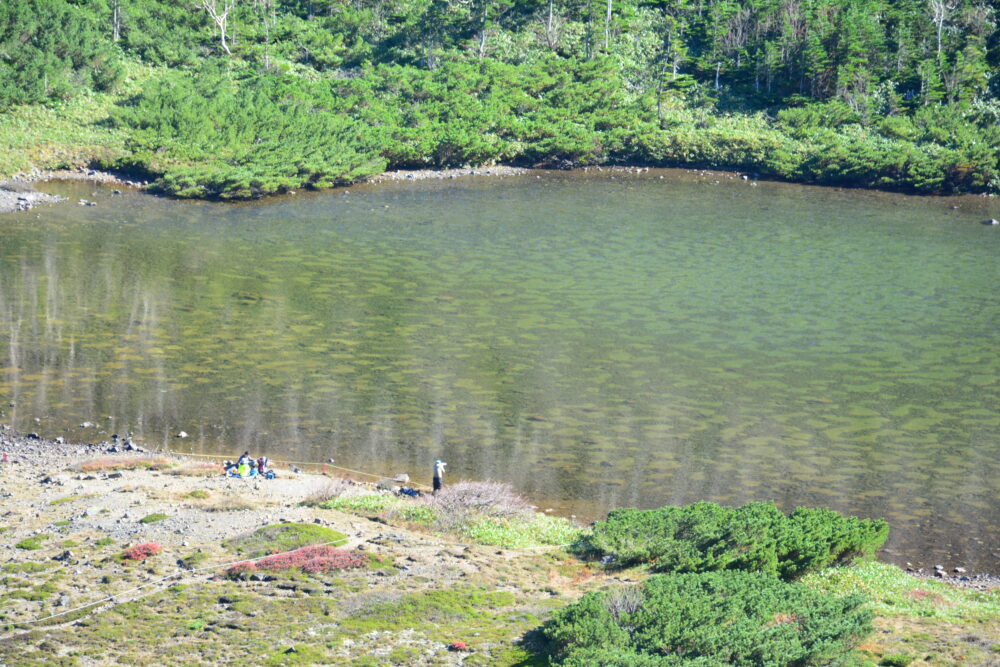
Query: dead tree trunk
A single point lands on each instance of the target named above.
(220, 14)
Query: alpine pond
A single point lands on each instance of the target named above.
(599, 340)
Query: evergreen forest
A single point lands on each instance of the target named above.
(242, 98)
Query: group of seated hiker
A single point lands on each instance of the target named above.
(247, 466)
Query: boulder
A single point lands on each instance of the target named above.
(388, 485)
(58, 480)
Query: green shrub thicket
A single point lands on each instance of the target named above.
(706, 537)
(50, 50)
(239, 134)
(875, 93)
(709, 619)
(211, 136)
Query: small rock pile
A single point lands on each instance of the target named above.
(20, 197)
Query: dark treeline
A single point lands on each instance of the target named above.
(255, 96)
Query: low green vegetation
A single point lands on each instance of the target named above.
(482, 512)
(286, 133)
(38, 593)
(368, 503)
(441, 609)
(154, 517)
(295, 94)
(518, 533)
(194, 560)
(282, 537)
(103, 542)
(70, 499)
(756, 537)
(32, 543)
(895, 593)
(29, 567)
(713, 618)
(225, 621)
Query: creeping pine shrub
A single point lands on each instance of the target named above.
(308, 559)
(713, 618)
(142, 551)
(705, 537)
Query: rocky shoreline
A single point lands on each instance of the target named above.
(446, 174)
(19, 194)
(70, 513)
(32, 461)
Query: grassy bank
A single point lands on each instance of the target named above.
(69, 134)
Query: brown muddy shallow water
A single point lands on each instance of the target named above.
(597, 341)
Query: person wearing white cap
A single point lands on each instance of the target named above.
(438, 480)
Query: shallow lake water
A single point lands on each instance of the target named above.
(597, 341)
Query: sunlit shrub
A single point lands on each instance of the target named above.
(716, 618)
(705, 537)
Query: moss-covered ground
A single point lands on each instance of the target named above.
(378, 615)
(421, 594)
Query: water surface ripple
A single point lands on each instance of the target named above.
(598, 342)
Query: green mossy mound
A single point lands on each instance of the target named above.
(282, 537)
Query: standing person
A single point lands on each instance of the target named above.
(438, 480)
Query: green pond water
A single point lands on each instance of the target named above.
(596, 341)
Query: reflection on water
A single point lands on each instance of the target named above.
(597, 342)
